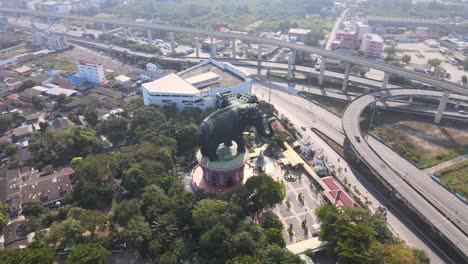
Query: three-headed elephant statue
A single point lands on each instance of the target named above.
(228, 124)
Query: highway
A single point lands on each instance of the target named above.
(437, 205)
(441, 84)
(305, 113)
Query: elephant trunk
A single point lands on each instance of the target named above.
(262, 130)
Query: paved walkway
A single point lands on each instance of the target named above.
(298, 212)
(446, 164)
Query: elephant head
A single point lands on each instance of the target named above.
(253, 116)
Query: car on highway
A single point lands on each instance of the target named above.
(304, 128)
(358, 139)
(258, 78)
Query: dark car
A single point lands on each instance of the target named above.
(358, 139)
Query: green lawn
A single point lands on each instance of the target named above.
(456, 177)
(13, 53)
(54, 62)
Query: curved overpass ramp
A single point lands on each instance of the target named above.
(431, 201)
(441, 84)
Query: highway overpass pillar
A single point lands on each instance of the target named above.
(259, 59)
(323, 65)
(385, 80)
(103, 27)
(125, 32)
(197, 47)
(441, 108)
(457, 104)
(212, 48)
(346, 77)
(294, 60)
(290, 63)
(171, 38)
(233, 48)
(67, 24)
(149, 35)
(410, 100)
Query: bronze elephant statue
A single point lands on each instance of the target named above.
(228, 124)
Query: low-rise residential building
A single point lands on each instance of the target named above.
(91, 71)
(21, 186)
(218, 43)
(372, 45)
(122, 79)
(197, 86)
(50, 41)
(56, 7)
(347, 38)
(298, 34)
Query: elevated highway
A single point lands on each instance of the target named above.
(388, 69)
(436, 205)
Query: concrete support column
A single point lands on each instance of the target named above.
(67, 24)
(323, 65)
(103, 27)
(441, 108)
(294, 60)
(233, 48)
(172, 39)
(197, 47)
(346, 77)
(149, 36)
(49, 21)
(259, 59)
(290, 63)
(385, 80)
(212, 48)
(457, 104)
(125, 32)
(410, 100)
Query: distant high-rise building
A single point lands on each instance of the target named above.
(91, 71)
(50, 41)
(372, 45)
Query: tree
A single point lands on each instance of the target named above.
(264, 192)
(134, 180)
(273, 222)
(243, 244)
(125, 210)
(406, 59)
(138, 232)
(391, 50)
(209, 212)
(215, 244)
(434, 62)
(115, 128)
(67, 232)
(33, 209)
(91, 116)
(464, 79)
(26, 85)
(27, 256)
(274, 236)
(3, 213)
(348, 232)
(465, 64)
(89, 219)
(88, 253)
(38, 102)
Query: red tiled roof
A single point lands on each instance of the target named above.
(335, 193)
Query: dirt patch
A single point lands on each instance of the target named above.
(419, 140)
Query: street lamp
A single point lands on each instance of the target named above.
(269, 90)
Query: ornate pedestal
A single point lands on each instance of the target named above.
(219, 176)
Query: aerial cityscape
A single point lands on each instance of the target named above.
(237, 132)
